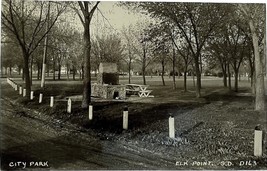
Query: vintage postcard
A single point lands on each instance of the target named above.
(133, 85)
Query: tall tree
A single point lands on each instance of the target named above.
(256, 19)
(107, 48)
(130, 55)
(161, 46)
(25, 21)
(85, 14)
(10, 55)
(202, 19)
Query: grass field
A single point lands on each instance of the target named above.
(217, 127)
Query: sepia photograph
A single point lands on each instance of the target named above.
(133, 85)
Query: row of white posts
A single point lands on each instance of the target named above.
(258, 134)
(12, 83)
(16, 87)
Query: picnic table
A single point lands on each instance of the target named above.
(140, 90)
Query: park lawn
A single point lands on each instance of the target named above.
(217, 127)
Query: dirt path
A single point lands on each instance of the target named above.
(30, 136)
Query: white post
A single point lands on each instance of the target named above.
(31, 95)
(125, 118)
(16, 87)
(20, 90)
(69, 106)
(51, 101)
(258, 142)
(40, 98)
(171, 127)
(90, 112)
(24, 92)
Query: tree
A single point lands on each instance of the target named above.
(85, 15)
(255, 17)
(187, 60)
(184, 51)
(161, 46)
(76, 56)
(218, 54)
(230, 45)
(10, 53)
(107, 48)
(25, 21)
(130, 55)
(237, 44)
(143, 47)
(202, 19)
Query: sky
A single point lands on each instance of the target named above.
(112, 18)
(108, 18)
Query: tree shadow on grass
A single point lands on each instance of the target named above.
(228, 97)
(111, 120)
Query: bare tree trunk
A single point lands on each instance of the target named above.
(252, 73)
(259, 71)
(82, 72)
(23, 74)
(10, 70)
(68, 71)
(87, 50)
(19, 70)
(38, 71)
(54, 69)
(129, 71)
(144, 75)
(87, 80)
(185, 79)
(31, 69)
(144, 66)
(224, 79)
(27, 74)
(173, 68)
(59, 71)
(224, 71)
(253, 84)
(194, 82)
(73, 72)
(198, 74)
(236, 80)
(229, 77)
(163, 72)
